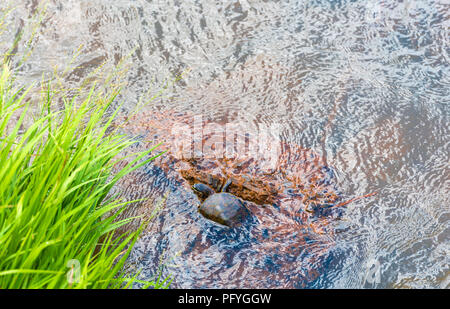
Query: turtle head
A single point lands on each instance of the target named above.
(202, 190)
(226, 185)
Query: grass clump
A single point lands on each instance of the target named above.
(55, 175)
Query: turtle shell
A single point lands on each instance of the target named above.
(224, 208)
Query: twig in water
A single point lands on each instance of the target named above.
(352, 200)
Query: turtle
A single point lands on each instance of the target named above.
(223, 207)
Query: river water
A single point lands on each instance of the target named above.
(363, 84)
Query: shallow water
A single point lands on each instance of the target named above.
(365, 84)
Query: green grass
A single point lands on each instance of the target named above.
(55, 175)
